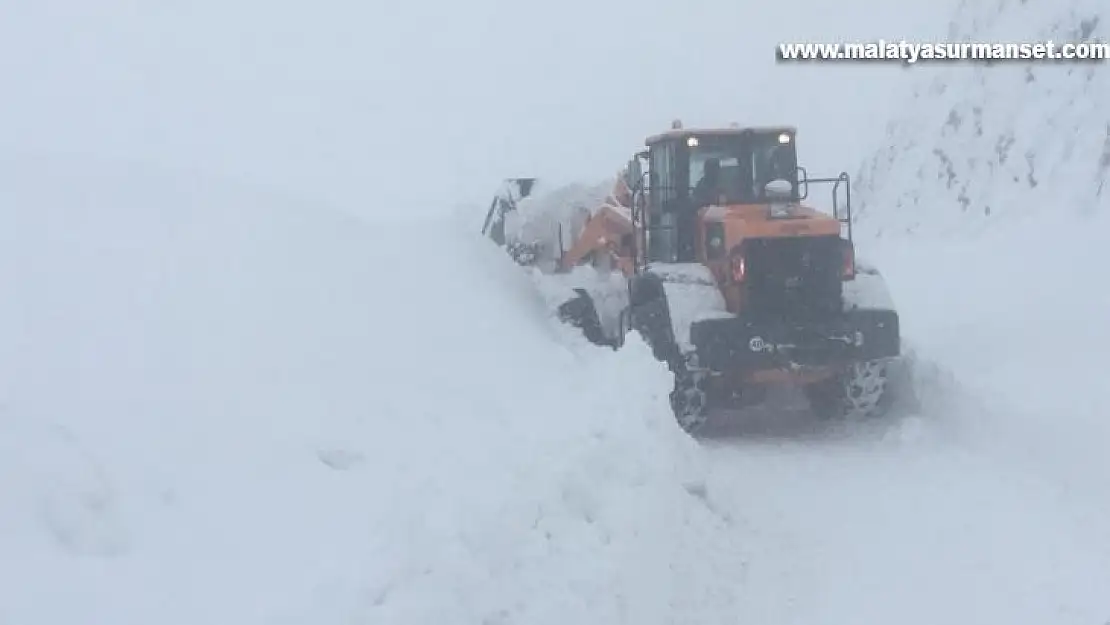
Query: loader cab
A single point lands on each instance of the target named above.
(690, 169)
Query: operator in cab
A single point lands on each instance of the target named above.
(706, 190)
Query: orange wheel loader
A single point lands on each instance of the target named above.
(733, 279)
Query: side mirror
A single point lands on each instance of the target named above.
(803, 183)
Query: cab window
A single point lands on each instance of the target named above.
(663, 170)
(747, 164)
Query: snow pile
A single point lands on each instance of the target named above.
(608, 292)
(220, 409)
(977, 144)
(549, 222)
(552, 218)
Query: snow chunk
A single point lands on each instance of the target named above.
(553, 218)
(867, 290)
(683, 273)
(607, 289)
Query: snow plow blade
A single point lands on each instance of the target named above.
(729, 344)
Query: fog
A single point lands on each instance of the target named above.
(377, 107)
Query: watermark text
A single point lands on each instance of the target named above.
(910, 52)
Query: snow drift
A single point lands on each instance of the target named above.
(987, 212)
(220, 407)
(1002, 490)
(988, 209)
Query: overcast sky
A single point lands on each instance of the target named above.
(419, 106)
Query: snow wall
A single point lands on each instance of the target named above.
(987, 209)
(220, 406)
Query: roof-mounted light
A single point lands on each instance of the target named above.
(692, 142)
(784, 138)
(676, 124)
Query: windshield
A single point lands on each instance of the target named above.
(739, 168)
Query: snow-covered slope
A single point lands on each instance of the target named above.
(976, 145)
(994, 509)
(216, 407)
(988, 210)
(985, 209)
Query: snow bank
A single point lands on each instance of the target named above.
(220, 409)
(1017, 316)
(987, 213)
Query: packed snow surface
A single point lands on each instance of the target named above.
(219, 407)
(222, 408)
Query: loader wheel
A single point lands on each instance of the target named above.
(858, 393)
(650, 316)
(689, 400)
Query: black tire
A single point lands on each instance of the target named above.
(649, 315)
(857, 393)
(689, 401)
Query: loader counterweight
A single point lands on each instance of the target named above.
(744, 345)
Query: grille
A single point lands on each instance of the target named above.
(793, 278)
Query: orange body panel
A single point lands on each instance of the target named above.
(604, 232)
(746, 221)
(608, 227)
(750, 220)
